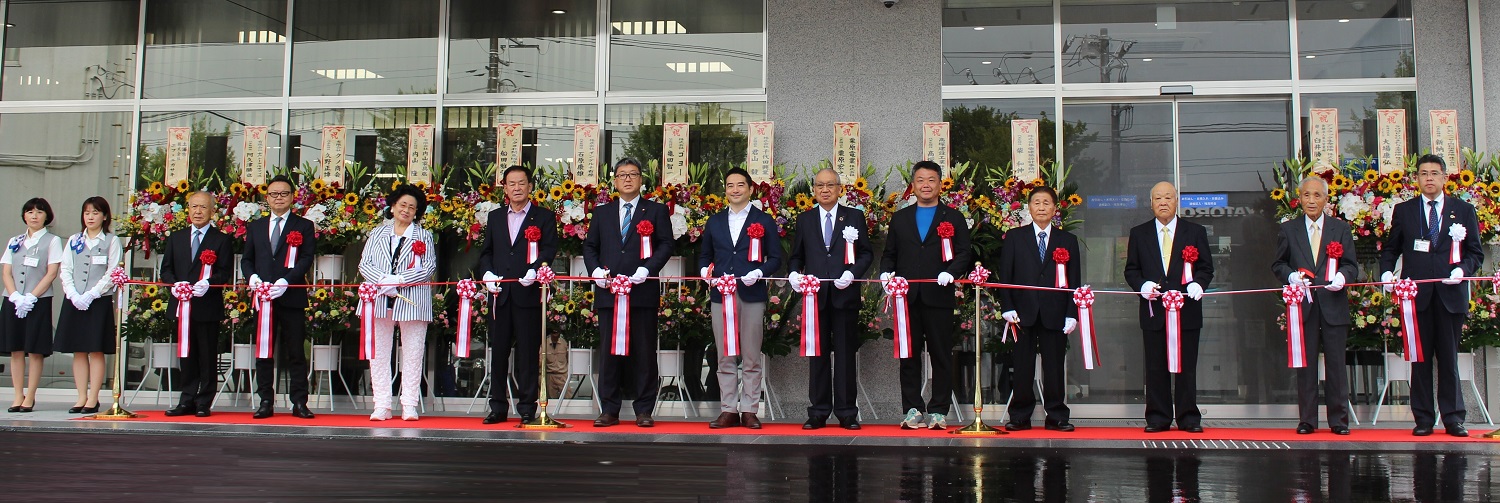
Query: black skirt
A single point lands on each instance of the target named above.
(90, 331)
(32, 334)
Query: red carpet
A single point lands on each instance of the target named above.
(788, 429)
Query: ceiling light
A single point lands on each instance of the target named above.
(348, 74)
(1343, 20)
(649, 27)
(978, 28)
(559, 11)
(985, 62)
(1309, 56)
(1146, 59)
(704, 67)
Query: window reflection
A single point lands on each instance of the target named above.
(980, 129)
(64, 157)
(70, 50)
(546, 134)
(1357, 126)
(218, 140)
(686, 44)
(1175, 41)
(376, 138)
(521, 46)
(716, 131)
(354, 47)
(214, 48)
(1349, 40)
(997, 42)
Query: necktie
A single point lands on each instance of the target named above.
(1317, 240)
(275, 233)
(625, 225)
(827, 230)
(197, 240)
(1432, 221)
(1041, 246)
(1166, 248)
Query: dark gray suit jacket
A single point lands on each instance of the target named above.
(1294, 252)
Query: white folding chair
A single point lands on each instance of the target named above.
(155, 364)
(580, 368)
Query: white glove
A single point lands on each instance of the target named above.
(885, 280)
(1337, 283)
(529, 278)
(703, 273)
(1385, 277)
(795, 278)
(200, 288)
(1148, 290)
(1011, 316)
(751, 277)
(1298, 277)
(639, 276)
(599, 277)
(389, 284)
(1069, 325)
(22, 310)
(944, 279)
(1453, 277)
(28, 302)
(492, 282)
(1194, 291)
(80, 302)
(278, 288)
(15, 298)
(254, 281)
(844, 281)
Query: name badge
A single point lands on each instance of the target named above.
(31, 261)
(99, 260)
(1422, 245)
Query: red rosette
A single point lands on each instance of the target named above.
(419, 248)
(208, 257)
(1060, 256)
(294, 238)
(1335, 250)
(645, 228)
(945, 230)
(1190, 254)
(756, 231)
(533, 233)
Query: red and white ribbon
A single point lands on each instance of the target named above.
(1061, 256)
(1495, 282)
(1172, 300)
(208, 257)
(979, 274)
(367, 294)
(291, 256)
(261, 296)
(119, 277)
(619, 334)
(945, 231)
(1083, 297)
(756, 231)
(533, 234)
(1335, 252)
(811, 330)
(848, 253)
(1453, 250)
(897, 288)
(645, 229)
(545, 275)
(947, 249)
(183, 292)
(727, 285)
(1405, 292)
(1293, 295)
(1189, 255)
(467, 292)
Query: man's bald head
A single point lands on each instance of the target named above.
(1164, 201)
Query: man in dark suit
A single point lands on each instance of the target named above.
(1029, 257)
(823, 238)
(265, 261)
(1154, 264)
(745, 242)
(1424, 233)
(928, 241)
(182, 263)
(618, 231)
(516, 310)
(1302, 248)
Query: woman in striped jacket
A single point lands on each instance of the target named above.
(398, 254)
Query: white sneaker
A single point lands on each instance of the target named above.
(408, 414)
(381, 414)
(937, 422)
(913, 420)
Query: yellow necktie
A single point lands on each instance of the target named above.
(1317, 241)
(1166, 248)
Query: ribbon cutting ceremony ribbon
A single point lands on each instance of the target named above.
(945, 231)
(367, 294)
(467, 292)
(1172, 300)
(811, 330)
(546, 276)
(183, 292)
(1405, 292)
(1293, 294)
(727, 285)
(1083, 297)
(261, 297)
(897, 288)
(119, 277)
(619, 334)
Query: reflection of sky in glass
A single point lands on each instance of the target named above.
(214, 48)
(1340, 42)
(640, 62)
(403, 66)
(993, 45)
(1232, 145)
(1353, 108)
(536, 46)
(553, 125)
(1149, 42)
(70, 50)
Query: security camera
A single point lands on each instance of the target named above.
(889, 3)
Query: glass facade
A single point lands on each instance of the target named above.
(70, 50)
(214, 48)
(518, 47)
(662, 45)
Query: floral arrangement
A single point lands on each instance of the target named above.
(571, 314)
(686, 318)
(149, 320)
(1482, 328)
(330, 314)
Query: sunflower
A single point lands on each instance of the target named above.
(982, 201)
(588, 296)
(1493, 190)
(183, 186)
(947, 184)
(1343, 182)
(369, 207)
(260, 189)
(1277, 194)
(539, 195)
(421, 185)
(231, 296)
(1450, 186)
(1385, 185)
(556, 193)
(1010, 183)
(447, 206)
(1075, 200)
(237, 187)
(711, 200)
(485, 189)
(1037, 182)
(150, 291)
(433, 197)
(321, 294)
(155, 188)
(319, 185)
(568, 185)
(351, 199)
(1371, 175)
(861, 184)
(1394, 176)
(571, 307)
(578, 193)
(158, 305)
(1466, 178)
(395, 183)
(241, 307)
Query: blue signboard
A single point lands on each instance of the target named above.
(1205, 200)
(1111, 202)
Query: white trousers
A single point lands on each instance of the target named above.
(413, 344)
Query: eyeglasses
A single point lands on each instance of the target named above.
(627, 176)
(826, 185)
(1430, 174)
(281, 193)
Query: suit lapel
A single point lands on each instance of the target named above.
(505, 224)
(1303, 244)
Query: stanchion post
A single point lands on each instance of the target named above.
(978, 427)
(541, 421)
(117, 411)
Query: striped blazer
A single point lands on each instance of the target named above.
(375, 264)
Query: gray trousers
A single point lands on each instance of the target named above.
(732, 396)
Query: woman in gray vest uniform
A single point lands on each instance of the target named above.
(28, 267)
(86, 326)
(397, 254)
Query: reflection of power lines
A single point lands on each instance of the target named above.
(1108, 54)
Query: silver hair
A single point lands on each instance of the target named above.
(1316, 178)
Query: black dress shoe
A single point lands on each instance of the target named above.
(1063, 427)
(1305, 429)
(1155, 429)
(14, 408)
(300, 410)
(75, 410)
(180, 410)
(725, 420)
(814, 423)
(606, 420)
(527, 418)
(90, 410)
(750, 420)
(644, 421)
(202, 412)
(1015, 426)
(1197, 428)
(1340, 430)
(495, 417)
(849, 423)
(1421, 431)
(1458, 430)
(264, 411)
